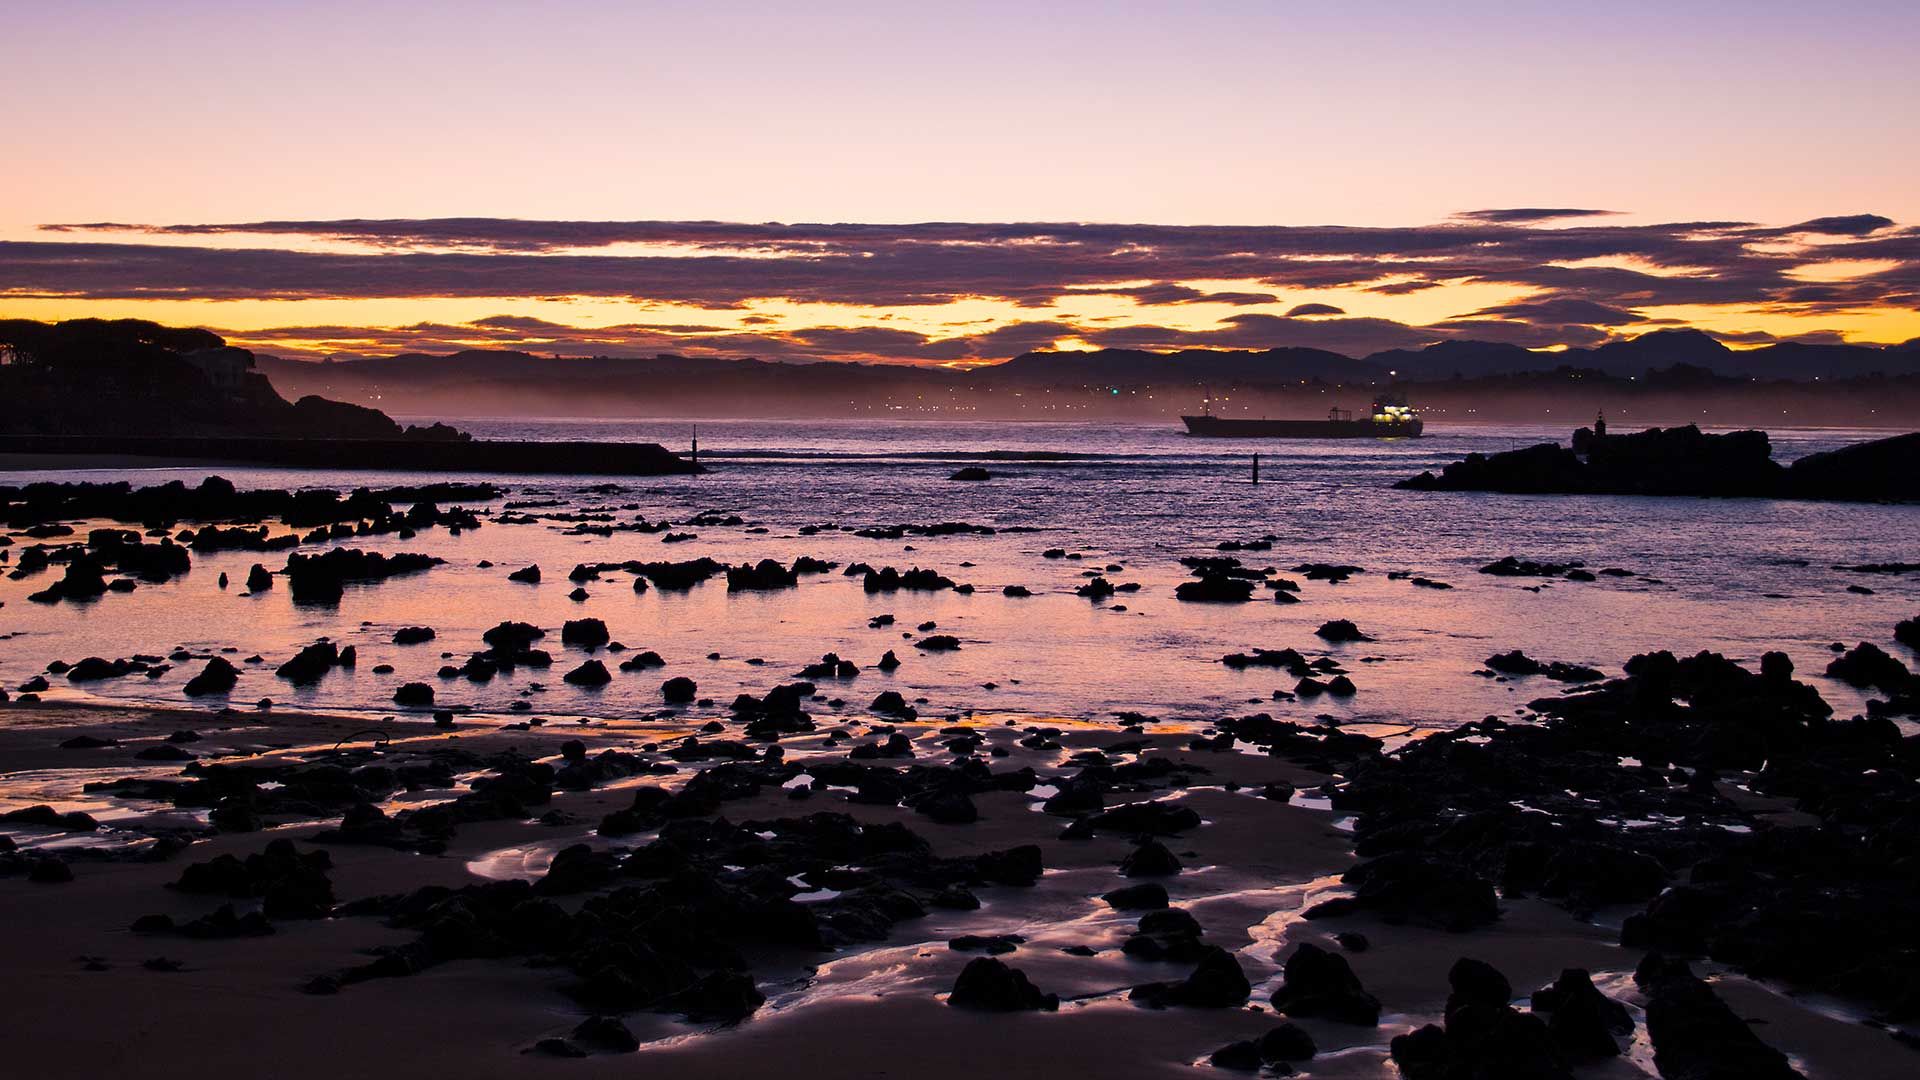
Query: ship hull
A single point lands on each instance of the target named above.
(1215, 427)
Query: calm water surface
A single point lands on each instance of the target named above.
(1739, 576)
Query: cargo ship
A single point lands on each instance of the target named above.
(1390, 418)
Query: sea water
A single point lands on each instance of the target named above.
(1738, 576)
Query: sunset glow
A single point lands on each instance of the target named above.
(395, 211)
(942, 294)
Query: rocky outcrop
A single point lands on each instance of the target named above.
(1883, 470)
(88, 386)
(1687, 461)
(318, 579)
(130, 378)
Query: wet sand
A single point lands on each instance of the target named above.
(237, 1006)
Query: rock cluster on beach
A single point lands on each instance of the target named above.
(671, 920)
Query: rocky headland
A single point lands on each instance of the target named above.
(1687, 461)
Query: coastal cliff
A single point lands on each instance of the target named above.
(128, 378)
(136, 389)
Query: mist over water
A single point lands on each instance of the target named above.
(1740, 576)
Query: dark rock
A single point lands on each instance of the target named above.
(1671, 461)
(887, 579)
(1584, 1022)
(46, 817)
(1881, 470)
(1151, 859)
(764, 576)
(1215, 589)
(1868, 665)
(558, 1048)
(1339, 630)
(290, 884)
(1216, 983)
(318, 579)
(1519, 663)
(1288, 1042)
(1696, 1036)
(224, 923)
(1332, 572)
(96, 669)
(1476, 982)
(591, 673)
(1510, 566)
(955, 898)
(586, 633)
(1319, 984)
(992, 945)
(1143, 897)
(949, 808)
(310, 663)
(49, 870)
(1153, 818)
(1097, 589)
(891, 701)
(88, 742)
(1425, 889)
(605, 1033)
(512, 637)
(413, 694)
(1241, 1056)
(1483, 1037)
(988, 985)
(218, 677)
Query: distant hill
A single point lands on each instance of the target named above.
(132, 378)
(1653, 351)
(490, 383)
(129, 377)
(1665, 376)
(1204, 365)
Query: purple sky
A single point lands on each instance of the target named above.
(1361, 114)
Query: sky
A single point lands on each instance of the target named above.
(1227, 174)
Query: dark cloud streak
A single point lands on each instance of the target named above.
(1580, 279)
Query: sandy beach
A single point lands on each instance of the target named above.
(875, 1010)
